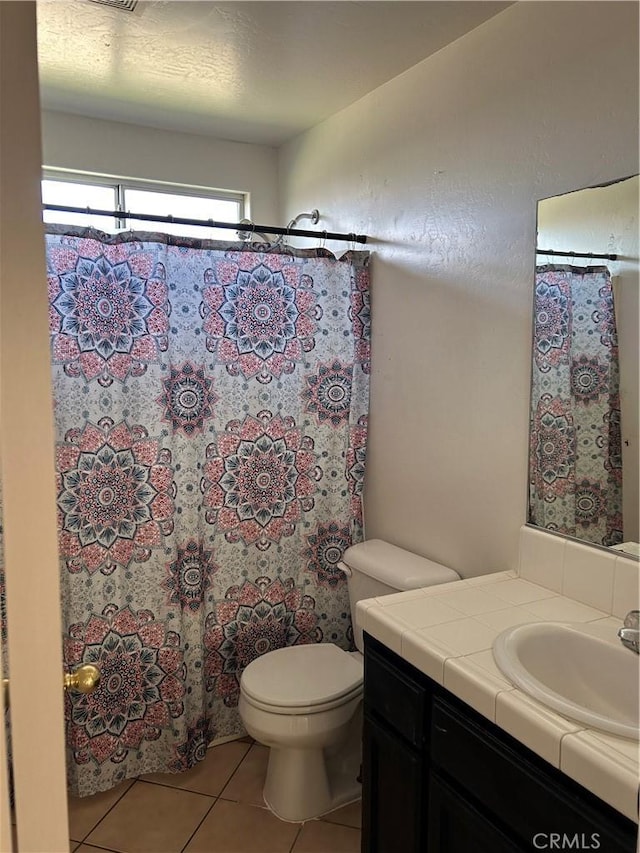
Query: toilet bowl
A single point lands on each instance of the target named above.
(305, 702)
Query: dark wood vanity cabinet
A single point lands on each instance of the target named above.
(393, 768)
(440, 778)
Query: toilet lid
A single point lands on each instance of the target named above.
(299, 676)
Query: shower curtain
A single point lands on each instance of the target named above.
(211, 416)
(575, 477)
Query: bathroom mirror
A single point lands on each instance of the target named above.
(584, 435)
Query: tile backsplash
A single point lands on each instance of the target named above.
(607, 580)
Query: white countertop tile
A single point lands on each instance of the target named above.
(364, 604)
(563, 609)
(485, 661)
(443, 588)
(426, 655)
(626, 583)
(420, 613)
(533, 724)
(541, 557)
(474, 685)
(474, 600)
(519, 591)
(495, 577)
(588, 575)
(608, 773)
(606, 629)
(395, 597)
(385, 628)
(629, 748)
(503, 619)
(462, 636)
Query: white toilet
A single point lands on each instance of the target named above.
(305, 702)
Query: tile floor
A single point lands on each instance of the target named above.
(216, 807)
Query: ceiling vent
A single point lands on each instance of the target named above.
(125, 5)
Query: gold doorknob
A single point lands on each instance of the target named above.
(84, 680)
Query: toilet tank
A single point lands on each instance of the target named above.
(376, 568)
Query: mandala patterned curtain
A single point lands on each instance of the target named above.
(211, 416)
(575, 477)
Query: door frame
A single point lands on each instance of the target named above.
(27, 468)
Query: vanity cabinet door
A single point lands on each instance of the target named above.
(393, 806)
(394, 695)
(502, 776)
(455, 826)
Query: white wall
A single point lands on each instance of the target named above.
(442, 166)
(605, 220)
(132, 151)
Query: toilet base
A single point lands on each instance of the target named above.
(303, 784)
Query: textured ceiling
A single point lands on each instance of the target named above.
(248, 71)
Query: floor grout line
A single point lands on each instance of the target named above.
(213, 798)
(238, 766)
(295, 840)
(175, 787)
(209, 810)
(136, 779)
(112, 806)
(187, 790)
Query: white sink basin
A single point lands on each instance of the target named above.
(580, 676)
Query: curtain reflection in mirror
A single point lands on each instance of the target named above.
(575, 482)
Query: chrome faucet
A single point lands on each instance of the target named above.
(630, 633)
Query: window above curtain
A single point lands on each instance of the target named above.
(108, 193)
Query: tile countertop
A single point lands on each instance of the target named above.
(447, 632)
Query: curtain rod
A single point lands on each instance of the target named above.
(211, 223)
(576, 254)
